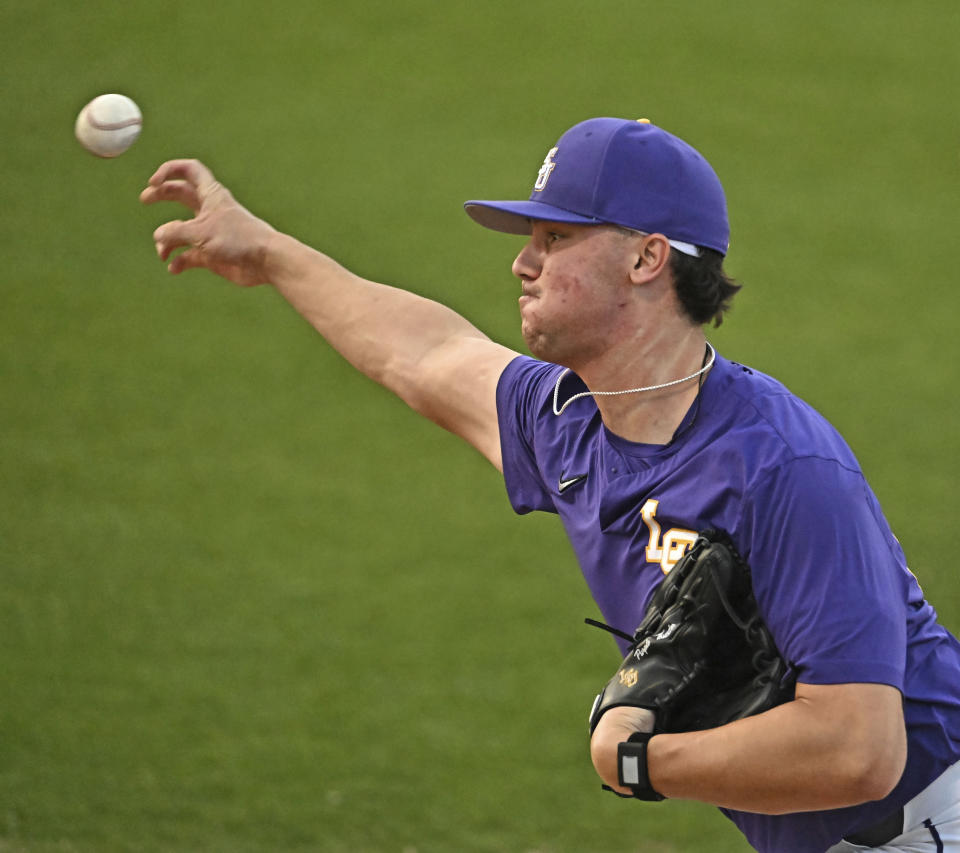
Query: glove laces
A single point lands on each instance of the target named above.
(615, 631)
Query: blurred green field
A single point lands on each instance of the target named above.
(248, 602)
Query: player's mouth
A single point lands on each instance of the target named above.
(527, 293)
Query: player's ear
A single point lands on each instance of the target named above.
(650, 257)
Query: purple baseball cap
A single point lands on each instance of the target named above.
(621, 172)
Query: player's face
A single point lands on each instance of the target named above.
(575, 286)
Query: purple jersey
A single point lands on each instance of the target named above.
(830, 577)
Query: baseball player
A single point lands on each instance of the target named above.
(630, 426)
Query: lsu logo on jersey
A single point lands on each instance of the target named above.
(665, 548)
(545, 170)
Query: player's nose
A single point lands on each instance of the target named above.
(527, 264)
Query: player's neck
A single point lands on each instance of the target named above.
(651, 416)
(650, 421)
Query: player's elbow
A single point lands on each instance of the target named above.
(858, 739)
(875, 772)
(870, 769)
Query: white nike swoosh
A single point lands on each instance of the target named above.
(563, 485)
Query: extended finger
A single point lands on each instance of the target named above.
(192, 171)
(172, 190)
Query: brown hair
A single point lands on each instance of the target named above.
(703, 288)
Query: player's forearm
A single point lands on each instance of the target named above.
(788, 759)
(385, 332)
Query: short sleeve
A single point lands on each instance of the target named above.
(827, 574)
(523, 392)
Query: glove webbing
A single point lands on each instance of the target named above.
(752, 630)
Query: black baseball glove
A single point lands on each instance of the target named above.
(702, 656)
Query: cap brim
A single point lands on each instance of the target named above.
(515, 217)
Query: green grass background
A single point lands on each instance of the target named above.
(248, 602)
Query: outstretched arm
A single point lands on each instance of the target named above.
(431, 357)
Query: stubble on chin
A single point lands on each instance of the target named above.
(538, 344)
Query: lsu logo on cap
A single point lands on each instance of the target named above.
(544, 174)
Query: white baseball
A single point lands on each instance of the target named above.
(108, 125)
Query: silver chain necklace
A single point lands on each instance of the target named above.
(556, 389)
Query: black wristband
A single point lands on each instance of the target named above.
(632, 767)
